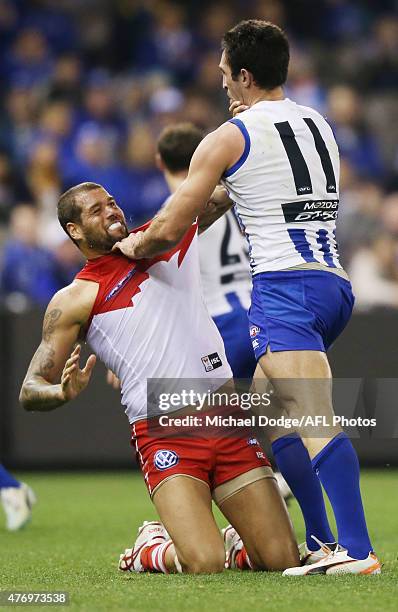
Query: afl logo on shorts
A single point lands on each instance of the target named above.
(165, 459)
(254, 330)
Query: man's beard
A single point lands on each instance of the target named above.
(103, 244)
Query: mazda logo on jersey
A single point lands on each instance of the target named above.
(165, 459)
(211, 362)
(310, 210)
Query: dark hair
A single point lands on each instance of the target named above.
(176, 145)
(261, 48)
(68, 208)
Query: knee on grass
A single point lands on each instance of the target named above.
(203, 561)
(276, 557)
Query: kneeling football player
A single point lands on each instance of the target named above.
(148, 320)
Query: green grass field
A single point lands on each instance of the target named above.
(83, 521)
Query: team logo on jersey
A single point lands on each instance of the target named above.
(310, 210)
(165, 459)
(254, 330)
(255, 344)
(120, 284)
(212, 362)
(252, 441)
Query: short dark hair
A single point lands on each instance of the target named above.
(176, 145)
(68, 208)
(261, 48)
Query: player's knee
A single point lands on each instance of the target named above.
(276, 557)
(204, 561)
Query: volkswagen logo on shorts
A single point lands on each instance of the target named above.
(165, 459)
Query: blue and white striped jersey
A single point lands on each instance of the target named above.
(224, 266)
(285, 186)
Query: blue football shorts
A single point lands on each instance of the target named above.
(298, 310)
(234, 329)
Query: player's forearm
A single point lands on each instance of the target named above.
(157, 239)
(37, 394)
(163, 234)
(211, 215)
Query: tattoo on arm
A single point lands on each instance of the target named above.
(45, 354)
(37, 391)
(49, 323)
(45, 360)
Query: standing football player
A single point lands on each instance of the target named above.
(224, 266)
(280, 164)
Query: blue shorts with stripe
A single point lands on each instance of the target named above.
(234, 329)
(298, 310)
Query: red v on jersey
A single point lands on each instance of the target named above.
(120, 278)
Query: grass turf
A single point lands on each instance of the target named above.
(84, 520)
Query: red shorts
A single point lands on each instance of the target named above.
(213, 460)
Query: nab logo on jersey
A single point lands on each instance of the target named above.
(212, 362)
(165, 459)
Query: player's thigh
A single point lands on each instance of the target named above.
(301, 380)
(295, 364)
(185, 508)
(260, 516)
(303, 387)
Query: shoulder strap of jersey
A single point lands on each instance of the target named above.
(241, 126)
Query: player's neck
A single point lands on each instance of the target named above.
(174, 180)
(90, 253)
(263, 95)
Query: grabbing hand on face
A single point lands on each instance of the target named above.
(237, 107)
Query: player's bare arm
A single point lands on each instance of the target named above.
(215, 154)
(54, 376)
(218, 205)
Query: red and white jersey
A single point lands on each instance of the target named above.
(149, 320)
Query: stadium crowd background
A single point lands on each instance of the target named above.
(87, 85)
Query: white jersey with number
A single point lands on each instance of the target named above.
(149, 321)
(224, 266)
(285, 186)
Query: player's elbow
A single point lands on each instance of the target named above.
(25, 403)
(27, 397)
(24, 398)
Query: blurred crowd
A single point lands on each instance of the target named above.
(87, 85)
